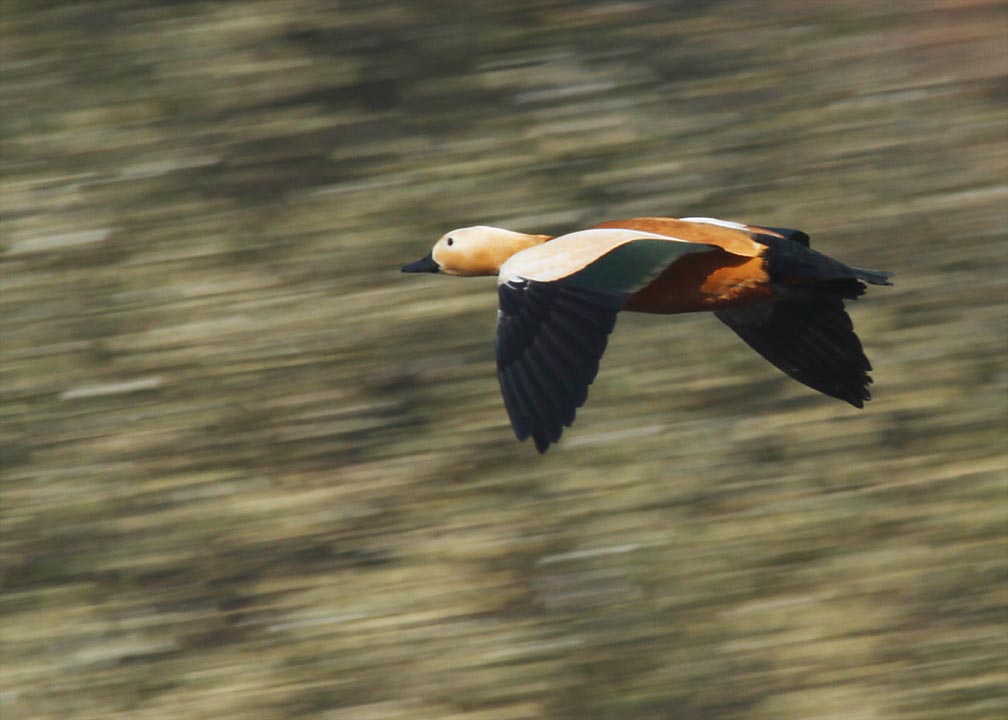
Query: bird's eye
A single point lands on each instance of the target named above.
(450, 242)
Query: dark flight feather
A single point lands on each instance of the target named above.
(550, 337)
(811, 340)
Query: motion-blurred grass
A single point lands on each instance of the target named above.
(251, 471)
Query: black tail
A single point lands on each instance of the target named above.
(791, 263)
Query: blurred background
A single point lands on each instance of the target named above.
(252, 471)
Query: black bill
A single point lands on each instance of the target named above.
(424, 264)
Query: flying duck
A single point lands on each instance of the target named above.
(559, 297)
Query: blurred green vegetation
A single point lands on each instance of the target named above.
(251, 471)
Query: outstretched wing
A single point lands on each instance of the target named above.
(550, 337)
(554, 320)
(811, 340)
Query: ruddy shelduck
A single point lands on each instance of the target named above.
(559, 297)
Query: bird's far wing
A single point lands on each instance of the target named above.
(732, 237)
(811, 340)
(551, 333)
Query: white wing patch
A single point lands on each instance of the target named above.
(569, 253)
(714, 221)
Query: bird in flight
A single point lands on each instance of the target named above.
(559, 297)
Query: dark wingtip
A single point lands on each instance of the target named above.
(425, 264)
(857, 401)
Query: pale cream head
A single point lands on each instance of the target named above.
(479, 250)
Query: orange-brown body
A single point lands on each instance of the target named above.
(705, 281)
(702, 281)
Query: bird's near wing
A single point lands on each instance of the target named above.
(811, 340)
(550, 338)
(556, 312)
